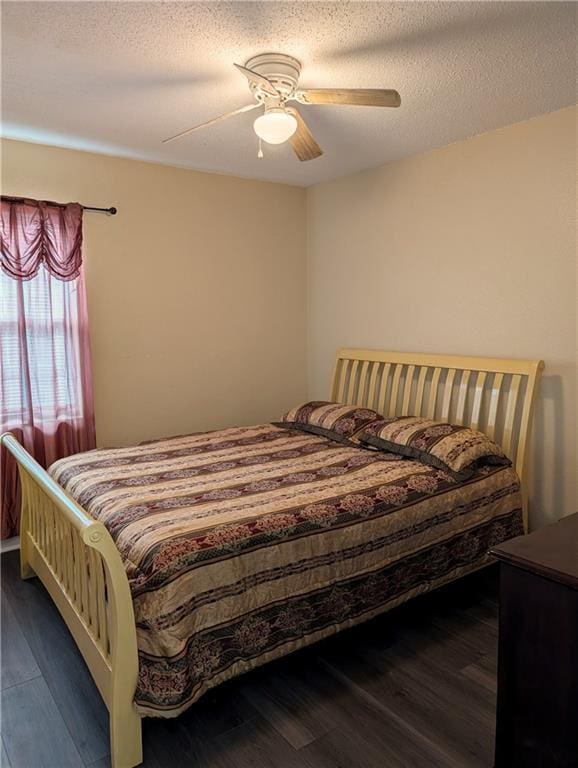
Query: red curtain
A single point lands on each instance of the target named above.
(46, 398)
(35, 233)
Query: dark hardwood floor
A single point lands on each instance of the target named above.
(413, 689)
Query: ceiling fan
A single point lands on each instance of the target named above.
(273, 79)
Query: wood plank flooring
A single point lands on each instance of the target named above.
(414, 688)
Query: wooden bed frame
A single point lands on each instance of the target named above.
(77, 561)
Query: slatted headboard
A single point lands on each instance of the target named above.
(493, 395)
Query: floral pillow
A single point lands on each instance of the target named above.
(335, 420)
(442, 445)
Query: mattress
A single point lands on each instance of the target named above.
(242, 545)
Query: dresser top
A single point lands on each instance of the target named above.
(551, 552)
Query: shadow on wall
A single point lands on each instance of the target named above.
(548, 482)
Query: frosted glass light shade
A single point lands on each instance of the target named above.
(275, 126)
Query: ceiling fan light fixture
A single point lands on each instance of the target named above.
(275, 126)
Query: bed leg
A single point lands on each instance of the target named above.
(26, 571)
(125, 736)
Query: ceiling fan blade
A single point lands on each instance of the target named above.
(360, 97)
(302, 141)
(247, 108)
(257, 79)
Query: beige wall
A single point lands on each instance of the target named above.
(469, 249)
(196, 290)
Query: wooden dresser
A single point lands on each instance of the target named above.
(537, 710)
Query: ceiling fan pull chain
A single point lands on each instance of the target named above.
(260, 152)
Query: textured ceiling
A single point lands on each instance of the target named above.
(119, 77)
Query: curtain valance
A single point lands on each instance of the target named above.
(35, 232)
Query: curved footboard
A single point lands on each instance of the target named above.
(77, 560)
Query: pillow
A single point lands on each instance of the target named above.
(444, 446)
(335, 420)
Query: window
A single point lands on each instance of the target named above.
(39, 350)
(45, 377)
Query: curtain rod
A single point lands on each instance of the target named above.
(111, 211)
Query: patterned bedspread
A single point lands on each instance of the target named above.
(245, 544)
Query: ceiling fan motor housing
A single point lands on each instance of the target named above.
(281, 70)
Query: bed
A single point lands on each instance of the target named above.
(180, 563)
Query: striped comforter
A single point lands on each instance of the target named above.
(245, 544)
